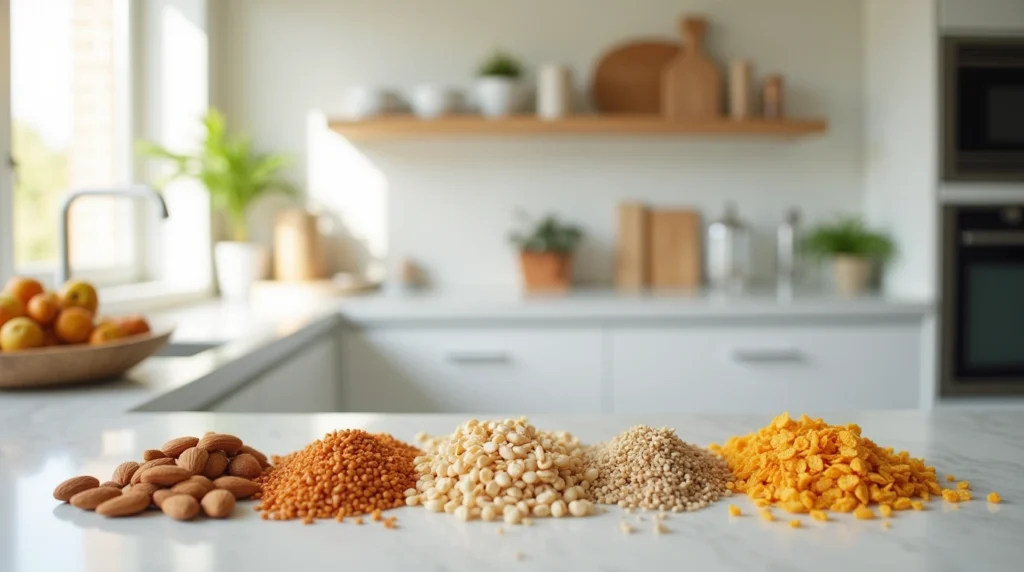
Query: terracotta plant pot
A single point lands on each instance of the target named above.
(546, 270)
(852, 274)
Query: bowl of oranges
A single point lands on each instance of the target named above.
(53, 338)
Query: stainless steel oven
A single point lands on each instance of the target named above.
(983, 300)
(983, 104)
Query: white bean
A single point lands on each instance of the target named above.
(530, 477)
(450, 506)
(515, 469)
(486, 476)
(434, 505)
(492, 488)
(490, 447)
(503, 479)
(487, 513)
(578, 508)
(570, 495)
(591, 474)
(541, 510)
(461, 513)
(558, 509)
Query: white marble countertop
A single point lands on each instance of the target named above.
(39, 534)
(606, 305)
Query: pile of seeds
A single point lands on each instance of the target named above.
(347, 473)
(185, 475)
(503, 469)
(655, 469)
(807, 465)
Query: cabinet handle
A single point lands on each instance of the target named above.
(477, 357)
(767, 355)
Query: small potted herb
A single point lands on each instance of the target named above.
(853, 249)
(498, 90)
(545, 253)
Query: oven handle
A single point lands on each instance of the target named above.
(992, 238)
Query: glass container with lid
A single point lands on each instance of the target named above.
(728, 251)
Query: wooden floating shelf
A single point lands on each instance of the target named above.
(408, 126)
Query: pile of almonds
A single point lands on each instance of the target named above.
(185, 475)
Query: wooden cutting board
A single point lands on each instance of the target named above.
(692, 82)
(628, 77)
(631, 251)
(675, 248)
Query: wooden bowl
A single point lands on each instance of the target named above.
(84, 363)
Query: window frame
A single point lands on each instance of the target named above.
(127, 101)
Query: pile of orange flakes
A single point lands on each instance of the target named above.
(808, 466)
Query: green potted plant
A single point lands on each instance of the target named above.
(235, 176)
(545, 252)
(853, 249)
(498, 90)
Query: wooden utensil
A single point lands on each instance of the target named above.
(77, 364)
(631, 252)
(675, 248)
(628, 77)
(692, 82)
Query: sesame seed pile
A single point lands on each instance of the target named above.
(347, 473)
(807, 465)
(655, 469)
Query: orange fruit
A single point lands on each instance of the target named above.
(79, 294)
(23, 288)
(43, 308)
(107, 332)
(20, 334)
(10, 308)
(134, 325)
(73, 325)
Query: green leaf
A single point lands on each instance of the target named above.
(547, 235)
(848, 235)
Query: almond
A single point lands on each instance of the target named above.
(73, 486)
(124, 505)
(245, 466)
(150, 454)
(218, 503)
(216, 464)
(137, 477)
(112, 484)
(123, 473)
(190, 488)
(241, 488)
(202, 481)
(221, 442)
(180, 507)
(193, 459)
(161, 495)
(92, 498)
(264, 462)
(148, 489)
(175, 447)
(165, 475)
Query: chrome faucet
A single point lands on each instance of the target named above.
(144, 191)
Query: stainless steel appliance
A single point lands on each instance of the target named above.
(982, 334)
(983, 108)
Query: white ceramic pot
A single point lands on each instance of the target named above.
(852, 274)
(430, 101)
(498, 96)
(239, 266)
(554, 91)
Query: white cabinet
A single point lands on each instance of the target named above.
(762, 368)
(304, 383)
(504, 370)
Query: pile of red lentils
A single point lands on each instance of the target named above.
(347, 473)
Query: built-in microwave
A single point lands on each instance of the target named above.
(983, 108)
(982, 332)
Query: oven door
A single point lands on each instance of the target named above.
(984, 312)
(984, 104)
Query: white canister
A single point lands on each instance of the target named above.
(431, 100)
(365, 101)
(739, 89)
(554, 91)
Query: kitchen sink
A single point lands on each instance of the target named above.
(185, 349)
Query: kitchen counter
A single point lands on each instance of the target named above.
(602, 305)
(38, 533)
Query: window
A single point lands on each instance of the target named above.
(71, 109)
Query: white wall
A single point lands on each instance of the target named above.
(901, 138)
(982, 15)
(450, 204)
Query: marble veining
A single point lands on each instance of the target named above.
(37, 533)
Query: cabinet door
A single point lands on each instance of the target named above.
(304, 383)
(741, 369)
(509, 371)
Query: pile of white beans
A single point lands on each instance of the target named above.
(503, 469)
